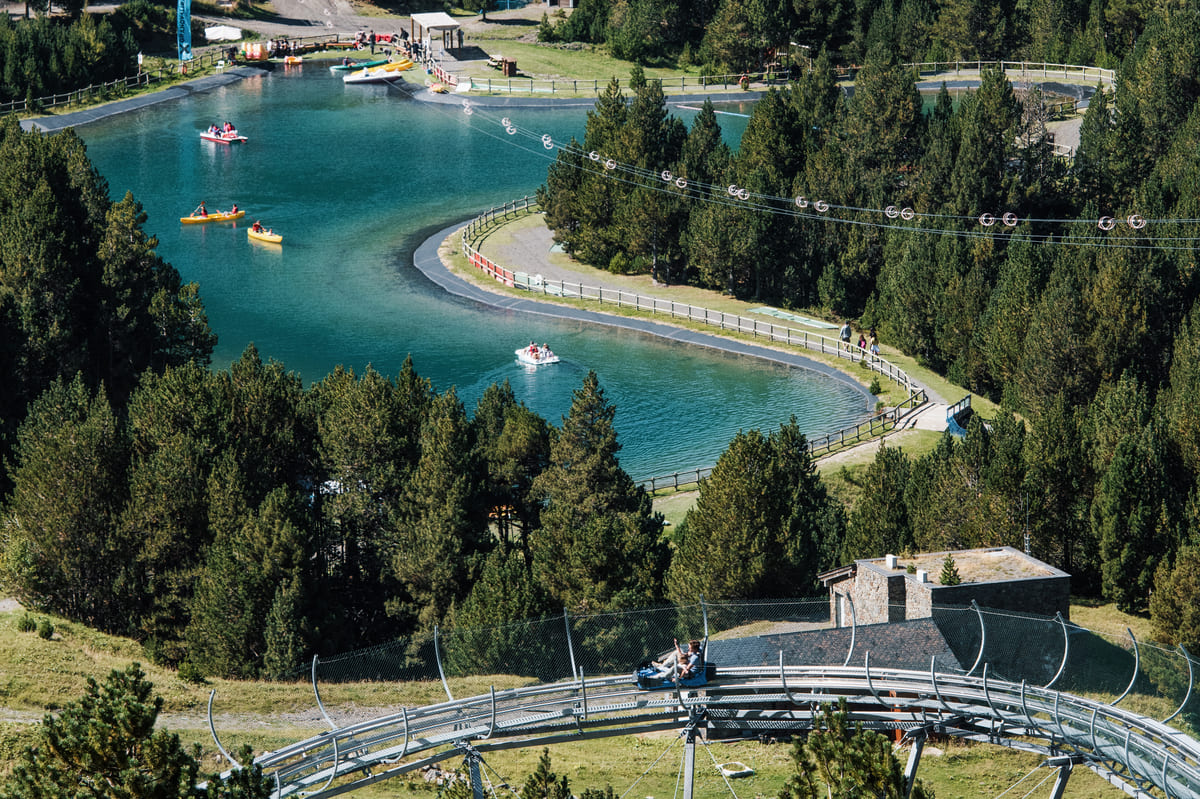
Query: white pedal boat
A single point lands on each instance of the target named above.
(538, 357)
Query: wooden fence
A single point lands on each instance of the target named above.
(210, 57)
(875, 426)
(730, 322)
(700, 83)
(878, 425)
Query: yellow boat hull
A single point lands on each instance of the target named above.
(262, 235)
(218, 216)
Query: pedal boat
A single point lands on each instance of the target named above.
(223, 137)
(539, 358)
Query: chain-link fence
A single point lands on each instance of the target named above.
(1144, 677)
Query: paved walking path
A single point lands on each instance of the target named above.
(427, 260)
(76, 118)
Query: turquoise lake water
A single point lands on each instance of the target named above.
(354, 177)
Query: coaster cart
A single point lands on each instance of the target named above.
(647, 677)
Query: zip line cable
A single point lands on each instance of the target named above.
(797, 207)
(717, 766)
(1034, 770)
(1039, 785)
(670, 746)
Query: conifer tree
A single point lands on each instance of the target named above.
(1135, 516)
(599, 545)
(63, 549)
(763, 525)
(172, 423)
(879, 524)
(514, 446)
(838, 760)
(106, 741)
(368, 442)
(439, 533)
(1175, 602)
(544, 783)
(105, 746)
(949, 574)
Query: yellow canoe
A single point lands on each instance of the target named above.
(215, 216)
(264, 235)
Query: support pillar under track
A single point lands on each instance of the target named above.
(914, 760)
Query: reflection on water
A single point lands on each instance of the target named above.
(353, 177)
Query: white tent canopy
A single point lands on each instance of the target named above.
(222, 33)
(435, 21)
(424, 25)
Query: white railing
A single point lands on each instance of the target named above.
(723, 320)
(684, 84)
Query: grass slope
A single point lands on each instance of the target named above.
(39, 676)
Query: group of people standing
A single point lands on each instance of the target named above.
(871, 344)
(285, 47)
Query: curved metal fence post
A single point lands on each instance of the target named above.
(1025, 708)
(988, 696)
(933, 679)
(437, 655)
(870, 685)
(853, 628)
(783, 680)
(1066, 650)
(333, 768)
(704, 615)
(583, 693)
(317, 694)
(212, 728)
(570, 645)
(1137, 662)
(1191, 682)
(982, 638)
(404, 748)
(492, 723)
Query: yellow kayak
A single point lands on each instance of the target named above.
(215, 216)
(379, 73)
(264, 235)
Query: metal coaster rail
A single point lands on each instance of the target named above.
(1130, 750)
(1019, 709)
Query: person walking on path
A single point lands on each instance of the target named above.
(371, 40)
(844, 334)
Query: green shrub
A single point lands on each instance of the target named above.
(619, 265)
(875, 388)
(26, 624)
(545, 32)
(191, 673)
(45, 629)
(686, 59)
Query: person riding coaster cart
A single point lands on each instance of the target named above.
(676, 668)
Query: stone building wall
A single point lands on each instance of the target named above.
(884, 592)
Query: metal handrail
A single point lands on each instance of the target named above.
(1146, 749)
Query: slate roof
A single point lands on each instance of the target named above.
(902, 645)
